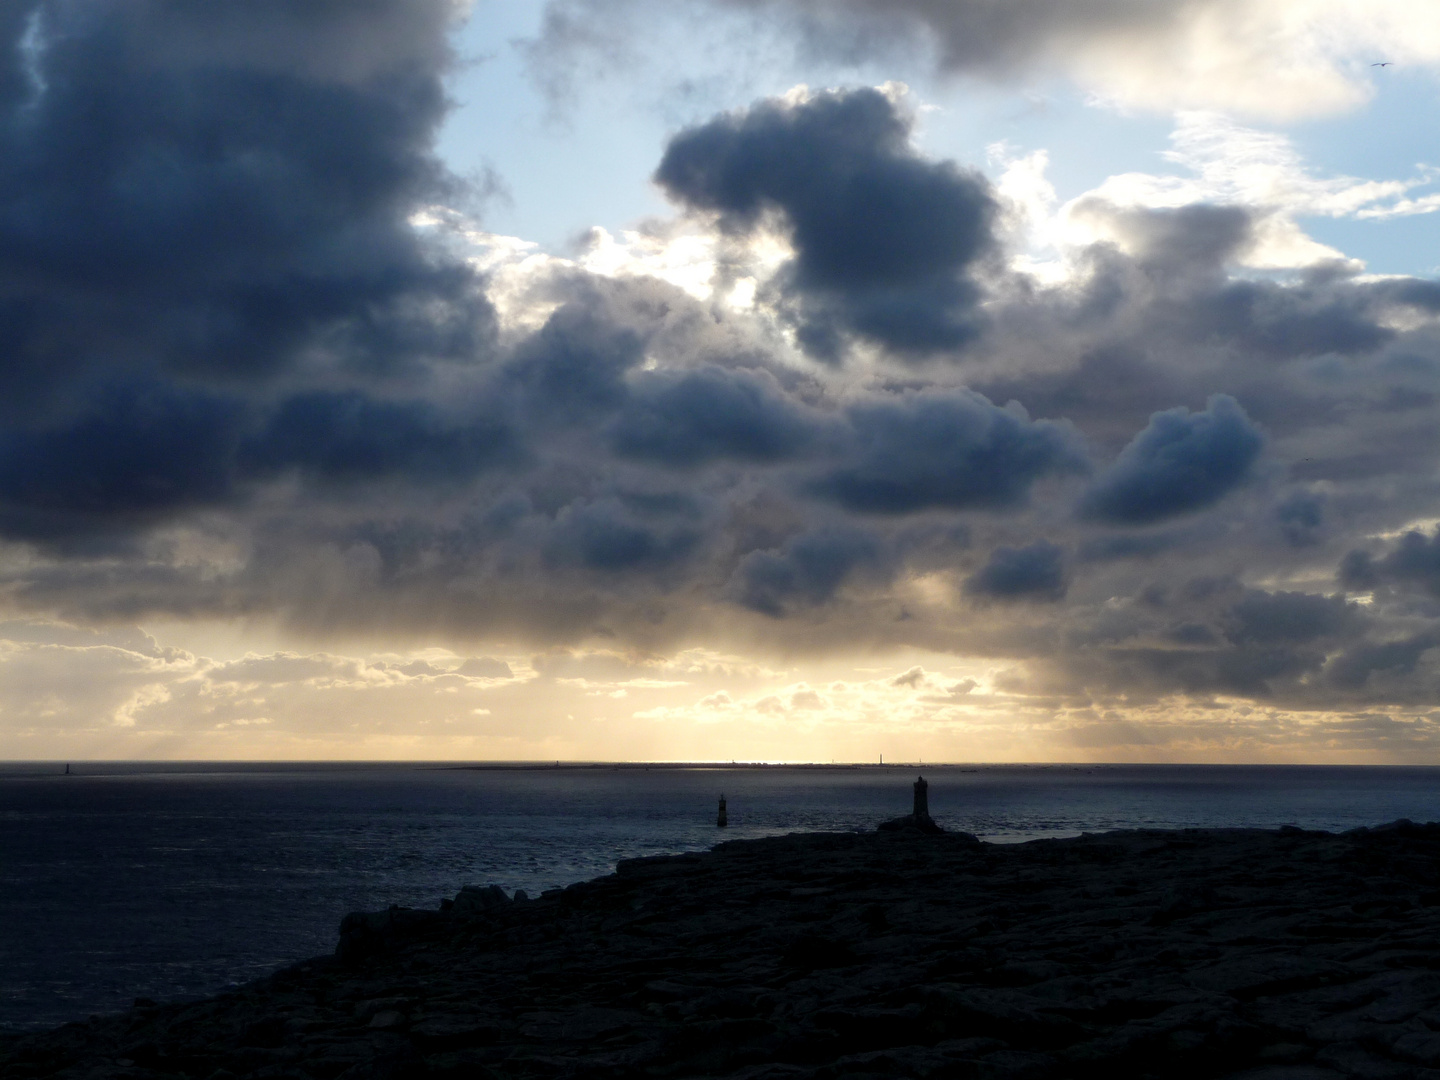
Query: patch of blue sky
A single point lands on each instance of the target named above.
(1388, 139)
(560, 173)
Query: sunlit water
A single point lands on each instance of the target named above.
(179, 880)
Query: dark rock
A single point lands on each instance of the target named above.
(268, 1033)
(1421, 1047)
(579, 1025)
(473, 899)
(364, 933)
(908, 952)
(910, 821)
(810, 951)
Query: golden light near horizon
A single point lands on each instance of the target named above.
(147, 701)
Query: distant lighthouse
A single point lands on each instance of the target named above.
(919, 817)
(722, 820)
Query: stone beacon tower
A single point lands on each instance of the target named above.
(722, 820)
(918, 818)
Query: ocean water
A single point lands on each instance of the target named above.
(178, 880)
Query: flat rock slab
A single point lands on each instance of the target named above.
(1265, 955)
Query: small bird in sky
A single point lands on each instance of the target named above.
(1386, 63)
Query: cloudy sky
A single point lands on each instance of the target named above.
(970, 380)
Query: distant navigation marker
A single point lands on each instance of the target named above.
(722, 820)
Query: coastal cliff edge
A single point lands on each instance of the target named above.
(1268, 955)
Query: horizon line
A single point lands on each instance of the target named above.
(678, 763)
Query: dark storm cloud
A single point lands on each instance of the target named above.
(138, 452)
(953, 450)
(1359, 665)
(132, 454)
(1270, 618)
(1130, 546)
(1276, 322)
(604, 536)
(1222, 638)
(1181, 462)
(1110, 390)
(218, 193)
(1143, 327)
(1035, 572)
(1256, 672)
(217, 188)
(688, 418)
(1215, 636)
(348, 437)
(1413, 563)
(1191, 634)
(1358, 572)
(883, 238)
(1176, 258)
(574, 368)
(806, 572)
(1302, 518)
(1420, 293)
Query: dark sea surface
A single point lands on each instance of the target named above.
(178, 880)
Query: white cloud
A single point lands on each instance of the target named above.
(684, 259)
(1220, 162)
(1236, 164)
(149, 695)
(1283, 59)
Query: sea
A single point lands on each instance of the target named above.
(180, 880)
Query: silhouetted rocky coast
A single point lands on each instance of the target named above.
(1284, 955)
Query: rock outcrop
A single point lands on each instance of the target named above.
(1268, 955)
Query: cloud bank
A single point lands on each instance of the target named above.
(261, 363)
(1286, 60)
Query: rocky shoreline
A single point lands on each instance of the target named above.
(1268, 955)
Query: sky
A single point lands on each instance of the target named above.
(783, 380)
